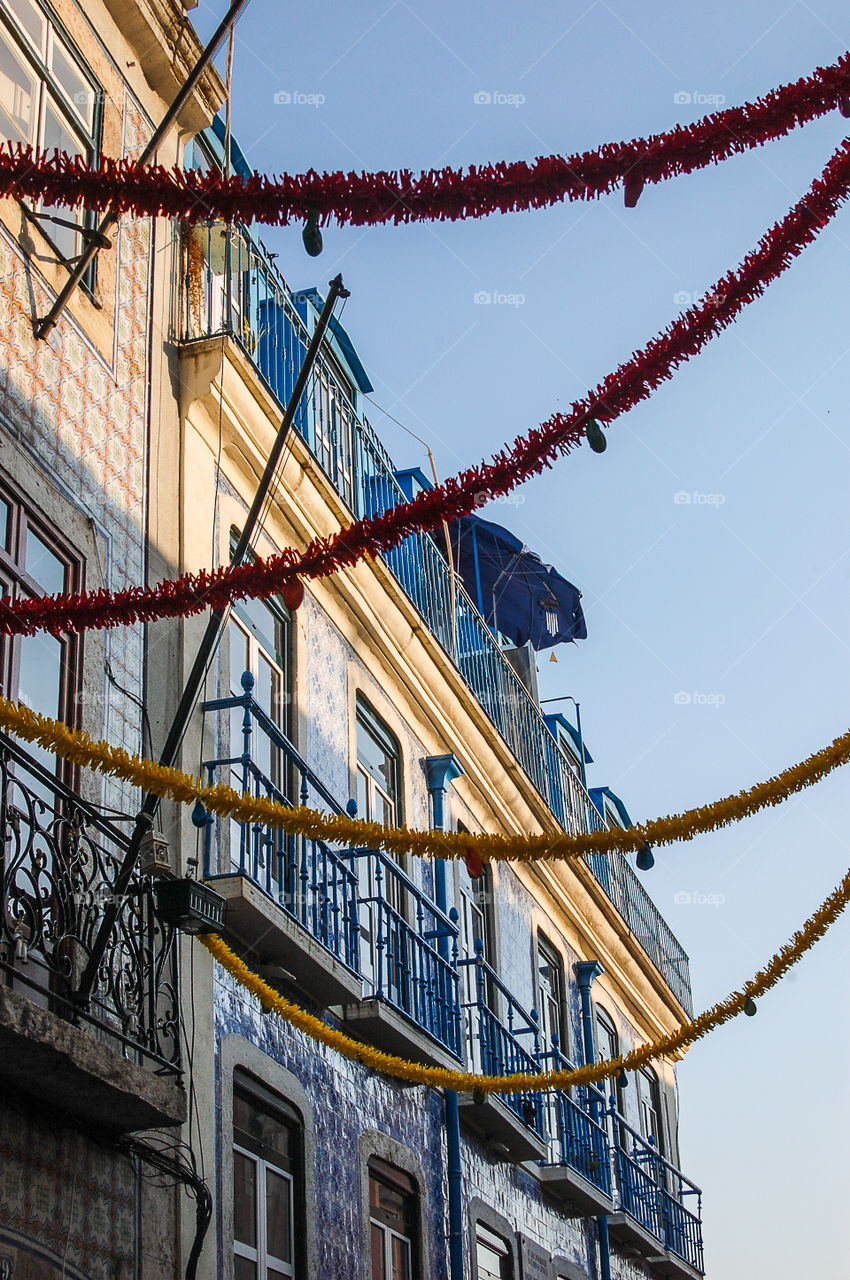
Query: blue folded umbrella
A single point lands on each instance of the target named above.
(517, 593)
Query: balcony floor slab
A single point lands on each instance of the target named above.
(68, 1068)
(501, 1129)
(381, 1024)
(580, 1198)
(257, 922)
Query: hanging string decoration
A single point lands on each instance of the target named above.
(674, 1042)
(169, 783)
(367, 199)
(528, 456)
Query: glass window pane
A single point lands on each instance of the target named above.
(44, 566)
(244, 1200)
(31, 19)
(244, 1269)
(379, 1271)
(401, 1258)
(278, 1216)
(41, 673)
(4, 526)
(77, 88)
(57, 135)
(239, 659)
(18, 97)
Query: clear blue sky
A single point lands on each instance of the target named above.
(739, 596)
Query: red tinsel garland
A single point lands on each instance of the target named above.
(527, 456)
(442, 194)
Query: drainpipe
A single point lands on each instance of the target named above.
(439, 772)
(586, 972)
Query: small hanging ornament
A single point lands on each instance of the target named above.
(750, 1007)
(632, 187)
(553, 657)
(311, 235)
(474, 865)
(595, 436)
(292, 594)
(623, 1078)
(199, 815)
(479, 1097)
(645, 859)
(844, 106)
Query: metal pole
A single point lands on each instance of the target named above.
(206, 649)
(567, 697)
(44, 326)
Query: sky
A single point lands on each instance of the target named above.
(710, 541)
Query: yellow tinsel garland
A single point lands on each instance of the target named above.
(172, 784)
(440, 1078)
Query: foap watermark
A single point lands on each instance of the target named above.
(297, 98)
(484, 298)
(698, 99)
(696, 898)
(693, 498)
(696, 699)
(687, 298)
(496, 98)
(503, 499)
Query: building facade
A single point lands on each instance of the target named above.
(132, 443)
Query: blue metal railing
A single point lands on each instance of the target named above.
(495, 1044)
(401, 960)
(232, 286)
(307, 879)
(653, 1192)
(577, 1138)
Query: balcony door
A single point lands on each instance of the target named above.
(378, 772)
(474, 904)
(259, 641)
(550, 1007)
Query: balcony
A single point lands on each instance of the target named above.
(291, 901)
(408, 960)
(514, 1124)
(659, 1210)
(252, 303)
(578, 1165)
(115, 1061)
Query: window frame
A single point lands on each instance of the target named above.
(490, 1238)
(646, 1077)
(51, 92)
(367, 719)
(23, 515)
(270, 1103)
(404, 1184)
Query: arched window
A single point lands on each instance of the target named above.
(649, 1101)
(393, 1220)
(268, 1183)
(378, 769)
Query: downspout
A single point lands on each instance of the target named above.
(586, 971)
(439, 772)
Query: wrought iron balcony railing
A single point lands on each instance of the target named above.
(656, 1194)
(576, 1130)
(501, 1038)
(251, 302)
(306, 878)
(59, 861)
(408, 948)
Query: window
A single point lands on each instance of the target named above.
(393, 1222)
(475, 900)
(378, 769)
(39, 670)
(492, 1255)
(550, 1000)
(378, 787)
(267, 1183)
(649, 1102)
(260, 644)
(47, 99)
